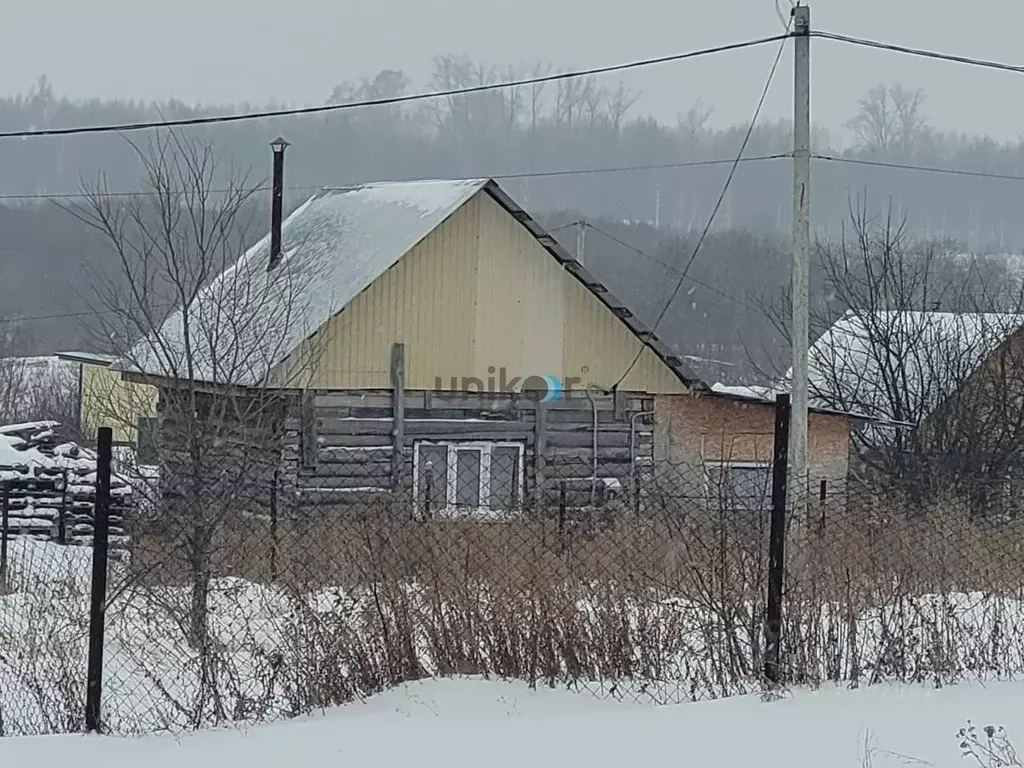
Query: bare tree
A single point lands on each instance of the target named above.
(569, 100)
(192, 309)
(908, 335)
(593, 97)
(35, 388)
(540, 69)
(694, 123)
(514, 100)
(620, 101)
(910, 122)
(889, 117)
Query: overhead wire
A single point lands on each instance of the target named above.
(520, 82)
(920, 52)
(498, 176)
(934, 169)
(670, 267)
(390, 100)
(718, 203)
(735, 162)
(913, 167)
(65, 315)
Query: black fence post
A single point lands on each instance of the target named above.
(823, 498)
(561, 515)
(62, 513)
(273, 529)
(777, 544)
(5, 533)
(98, 604)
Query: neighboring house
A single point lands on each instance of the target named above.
(431, 336)
(900, 366)
(956, 378)
(106, 400)
(730, 431)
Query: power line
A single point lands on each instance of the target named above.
(670, 267)
(921, 52)
(920, 168)
(60, 316)
(718, 203)
(64, 315)
(579, 172)
(498, 176)
(392, 100)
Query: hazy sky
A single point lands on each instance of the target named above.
(295, 50)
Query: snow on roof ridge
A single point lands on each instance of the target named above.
(339, 242)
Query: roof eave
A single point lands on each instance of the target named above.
(600, 291)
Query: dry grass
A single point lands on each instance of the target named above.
(673, 601)
(663, 607)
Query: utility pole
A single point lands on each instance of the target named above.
(581, 240)
(801, 253)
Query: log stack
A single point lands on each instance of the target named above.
(51, 486)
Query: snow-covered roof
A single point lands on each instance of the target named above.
(767, 395)
(335, 245)
(868, 361)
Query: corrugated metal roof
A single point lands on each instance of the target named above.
(335, 246)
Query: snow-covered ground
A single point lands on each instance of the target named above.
(275, 654)
(454, 723)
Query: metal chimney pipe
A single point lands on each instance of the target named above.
(278, 145)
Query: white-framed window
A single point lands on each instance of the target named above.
(739, 485)
(468, 479)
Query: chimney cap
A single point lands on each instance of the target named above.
(279, 144)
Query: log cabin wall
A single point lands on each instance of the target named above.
(344, 447)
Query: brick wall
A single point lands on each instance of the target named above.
(691, 430)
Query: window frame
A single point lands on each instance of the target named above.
(485, 448)
(711, 491)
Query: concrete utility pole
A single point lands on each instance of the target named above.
(801, 252)
(581, 240)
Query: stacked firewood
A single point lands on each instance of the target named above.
(51, 486)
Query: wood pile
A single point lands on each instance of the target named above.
(51, 486)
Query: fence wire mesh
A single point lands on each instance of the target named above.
(282, 601)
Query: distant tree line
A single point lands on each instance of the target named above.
(569, 124)
(580, 124)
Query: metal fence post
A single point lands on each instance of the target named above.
(561, 515)
(5, 533)
(62, 513)
(98, 603)
(823, 498)
(273, 529)
(777, 544)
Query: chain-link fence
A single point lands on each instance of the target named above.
(283, 600)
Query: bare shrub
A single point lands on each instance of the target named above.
(989, 748)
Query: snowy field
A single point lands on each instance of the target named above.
(456, 723)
